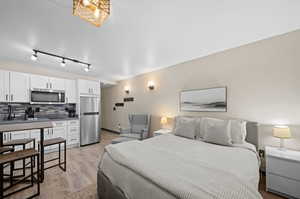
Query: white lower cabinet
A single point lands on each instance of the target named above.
(73, 132)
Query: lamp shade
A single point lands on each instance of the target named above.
(163, 120)
(282, 132)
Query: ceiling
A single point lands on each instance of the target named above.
(140, 35)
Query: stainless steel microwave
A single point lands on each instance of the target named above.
(45, 96)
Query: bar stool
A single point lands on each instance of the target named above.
(5, 150)
(22, 143)
(54, 141)
(11, 158)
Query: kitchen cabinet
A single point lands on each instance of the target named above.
(4, 86)
(39, 82)
(44, 82)
(14, 87)
(19, 87)
(70, 86)
(87, 87)
(57, 83)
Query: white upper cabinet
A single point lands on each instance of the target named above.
(19, 87)
(4, 86)
(43, 82)
(40, 82)
(87, 87)
(57, 83)
(70, 91)
(14, 87)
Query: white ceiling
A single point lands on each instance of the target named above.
(140, 35)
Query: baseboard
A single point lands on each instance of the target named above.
(112, 131)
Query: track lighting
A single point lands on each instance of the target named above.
(87, 68)
(63, 63)
(34, 56)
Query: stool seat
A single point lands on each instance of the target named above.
(18, 142)
(53, 141)
(5, 149)
(17, 155)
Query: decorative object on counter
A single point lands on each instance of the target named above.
(151, 85)
(204, 100)
(282, 132)
(93, 11)
(34, 57)
(71, 112)
(127, 89)
(128, 99)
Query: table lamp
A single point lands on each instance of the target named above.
(282, 132)
(163, 120)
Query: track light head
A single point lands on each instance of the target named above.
(87, 68)
(34, 56)
(63, 63)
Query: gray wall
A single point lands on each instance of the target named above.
(263, 81)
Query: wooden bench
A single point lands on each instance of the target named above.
(23, 143)
(11, 158)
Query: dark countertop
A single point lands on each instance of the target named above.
(20, 125)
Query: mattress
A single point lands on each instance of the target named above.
(241, 161)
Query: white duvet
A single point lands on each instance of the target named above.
(187, 169)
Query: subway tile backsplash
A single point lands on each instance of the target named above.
(44, 109)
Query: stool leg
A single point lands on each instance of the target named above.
(34, 148)
(11, 173)
(59, 154)
(38, 174)
(1, 182)
(24, 164)
(31, 170)
(65, 155)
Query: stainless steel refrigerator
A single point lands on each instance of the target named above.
(89, 120)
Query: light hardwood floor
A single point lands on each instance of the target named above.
(80, 179)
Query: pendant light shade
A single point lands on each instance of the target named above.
(93, 11)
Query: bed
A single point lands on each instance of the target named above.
(169, 167)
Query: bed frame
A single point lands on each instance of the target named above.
(106, 190)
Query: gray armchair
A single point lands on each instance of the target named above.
(139, 126)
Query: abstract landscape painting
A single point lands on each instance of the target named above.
(204, 100)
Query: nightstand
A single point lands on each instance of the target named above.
(283, 172)
(161, 132)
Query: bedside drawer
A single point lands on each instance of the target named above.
(283, 167)
(59, 124)
(74, 130)
(283, 185)
(73, 123)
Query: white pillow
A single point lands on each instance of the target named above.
(238, 131)
(217, 131)
(185, 127)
